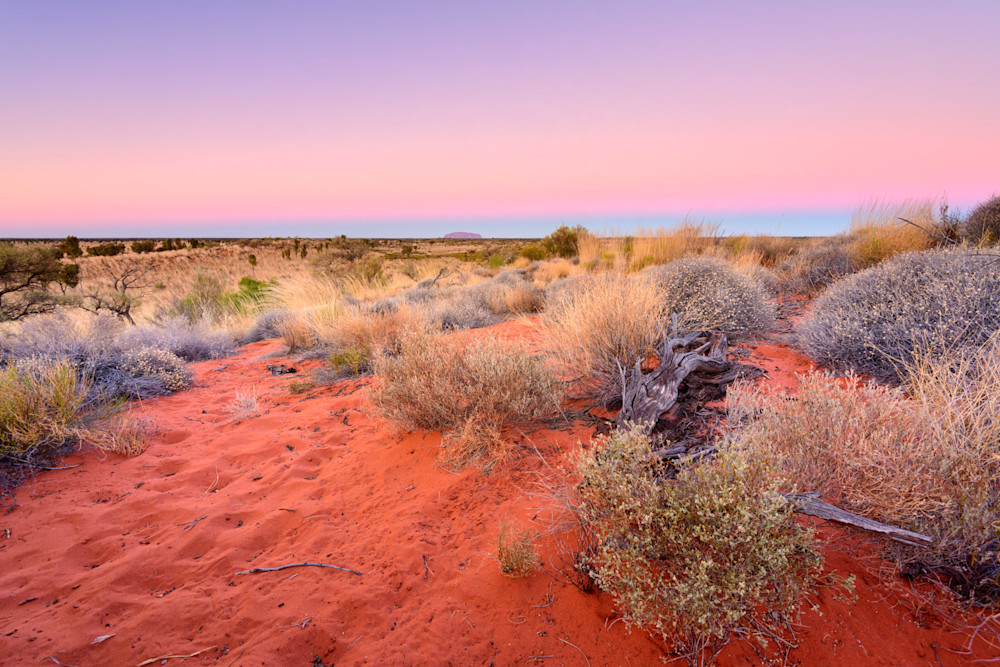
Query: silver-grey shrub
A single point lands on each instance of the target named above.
(266, 325)
(875, 321)
(710, 294)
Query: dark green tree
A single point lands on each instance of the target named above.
(26, 274)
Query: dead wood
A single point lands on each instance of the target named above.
(697, 358)
(812, 506)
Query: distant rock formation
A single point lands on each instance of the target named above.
(463, 235)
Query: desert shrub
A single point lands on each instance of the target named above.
(562, 242)
(265, 326)
(929, 462)
(516, 551)
(533, 252)
(710, 294)
(189, 341)
(982, 225)
(496, 261)
(473, 390)
(121, 362)
(106, 249)
(507, 294)
(662, 245)
(817, 265)
(876, 320)
(596, 324)
(693, 560)
(456, 312)
(26, 274)
(245, 404)
(143, 246)
(70, 248)
(878, 229)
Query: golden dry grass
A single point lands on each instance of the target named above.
(878, 232)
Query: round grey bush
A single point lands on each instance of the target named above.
(710, 294)
(874, 321)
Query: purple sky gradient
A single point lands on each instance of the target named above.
(370, 118)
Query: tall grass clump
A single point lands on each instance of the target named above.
(662, 245)
(695, 559)
(927, 460)
(711, 294)
(472, 390)
(878, 231)
(873, 322)
(595, 324)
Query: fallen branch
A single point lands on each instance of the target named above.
(812, 506)
(285, 567)
(168, 657)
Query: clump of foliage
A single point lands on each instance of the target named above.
(26, 276)
(533, 252)
(472, 390)
(516, 551)
(695, 559)
(982, 225)
(144, 246)
(710, 294)
(563, 242)
(70, 248)
(106, 249)
(875, 321)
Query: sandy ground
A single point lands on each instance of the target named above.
(120, 561)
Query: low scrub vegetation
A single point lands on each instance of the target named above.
(876, 321)
(695, 559)
(516, 551)
(927, 460)
(472, 390)
(709, 294)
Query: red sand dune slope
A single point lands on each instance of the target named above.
(144, 552)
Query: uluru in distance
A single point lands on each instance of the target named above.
(463, 235)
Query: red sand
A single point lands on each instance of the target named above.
(145, 551)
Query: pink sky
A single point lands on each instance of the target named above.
(152, 113)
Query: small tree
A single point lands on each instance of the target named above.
(71, 247)
(106, 249)
(128, 287)
(252, 258)
(563, 242)
(25, 277)
(143, 246)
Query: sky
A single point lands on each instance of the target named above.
(376, 118)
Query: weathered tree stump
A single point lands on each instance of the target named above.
(698, 358)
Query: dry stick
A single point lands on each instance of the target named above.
(426, 568)
(806, 504)
(238, 655)
(188, 525)
(578, 649)
(283, 567)
(168, 657)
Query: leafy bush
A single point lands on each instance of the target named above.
(474, 390)
(563, 242)
(710, 294)
(693, 560)
(507, 294)
(876, 320)
(533, 252)
(143, 246)
(496, 261)
(106, 249)
(982, 225)
(26, 273)
(70, 248)
(929, 462)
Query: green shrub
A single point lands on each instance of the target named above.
(533, 252)
(563, 242)
(70, 247)
(143, 246)
(26, 274)
(710, 294)
(106, 249)
(982, 225)
(496, 261)
(875, 321)
(693, 560)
